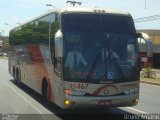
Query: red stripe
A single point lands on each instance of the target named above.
(38, 64)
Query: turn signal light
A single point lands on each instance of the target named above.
(67, 91)
(136, 101)
(74, 92)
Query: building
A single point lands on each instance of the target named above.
(155, 37)
(4, 45)
(0, 42)
(0, 45)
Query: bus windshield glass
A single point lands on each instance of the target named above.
(99, 48)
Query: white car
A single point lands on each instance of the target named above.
(4, 54)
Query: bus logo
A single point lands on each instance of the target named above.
(106, 91)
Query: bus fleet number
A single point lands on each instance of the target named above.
(78, 86)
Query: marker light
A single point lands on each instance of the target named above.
(67, 91)
(136, 100)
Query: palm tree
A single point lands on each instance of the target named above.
(148, 73)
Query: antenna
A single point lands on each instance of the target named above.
(73, 3)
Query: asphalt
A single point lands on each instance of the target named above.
(149, 99)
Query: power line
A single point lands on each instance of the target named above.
(138, 5)
(148, 18)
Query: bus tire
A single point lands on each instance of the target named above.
(14, 74)
(45, 92)
(18, 78)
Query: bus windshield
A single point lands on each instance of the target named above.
(99, 48)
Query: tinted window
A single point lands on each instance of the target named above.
(109, 23)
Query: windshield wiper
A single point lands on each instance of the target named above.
(115, 58)
(116, 64)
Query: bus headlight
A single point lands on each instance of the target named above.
(131, 91)
(74, 92)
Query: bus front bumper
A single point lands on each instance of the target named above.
(72, 102)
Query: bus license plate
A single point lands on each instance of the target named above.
(105, 102)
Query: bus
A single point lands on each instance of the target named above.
(107, 70)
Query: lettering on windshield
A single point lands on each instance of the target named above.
(84, 73)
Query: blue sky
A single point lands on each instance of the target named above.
(19, 11)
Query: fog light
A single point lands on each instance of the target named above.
(67, 102)
(136, 101)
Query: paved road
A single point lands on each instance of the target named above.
(25, 101)
(14, 99)
(149, 98)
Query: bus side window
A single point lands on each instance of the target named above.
(54, 26)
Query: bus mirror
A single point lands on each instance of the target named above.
(143, 36)
(59, 44)
(138, 35)
(148, 42)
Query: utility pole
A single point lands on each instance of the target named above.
(145, 4)
(73, 3)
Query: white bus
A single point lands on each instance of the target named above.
(78, 58)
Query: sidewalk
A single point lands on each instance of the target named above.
(153, 81)
(157, 71)
(150, 81)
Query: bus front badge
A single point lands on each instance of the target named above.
(106, 91)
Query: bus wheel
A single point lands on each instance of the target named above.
(14, 74)
(18, 78)
(45, 91)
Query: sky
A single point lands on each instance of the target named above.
(15, 12)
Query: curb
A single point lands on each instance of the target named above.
(150, 83)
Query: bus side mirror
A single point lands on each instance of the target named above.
(138, 35)
(148, 43)
(58, 44)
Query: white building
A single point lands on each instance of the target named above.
(0, 44)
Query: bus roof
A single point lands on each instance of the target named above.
(77, 10)
(91, 10)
